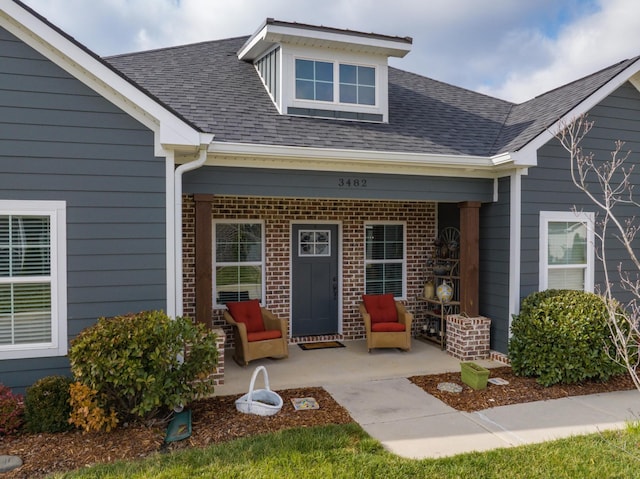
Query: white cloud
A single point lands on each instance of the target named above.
(591, 43)
(510, 49)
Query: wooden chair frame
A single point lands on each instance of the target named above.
(246, 350)
(401, 340)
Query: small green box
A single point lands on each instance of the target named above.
(474, 375)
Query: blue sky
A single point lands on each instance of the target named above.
(512, 49)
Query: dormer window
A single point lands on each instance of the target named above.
(357, 84)
(315, 81)
(324, 72)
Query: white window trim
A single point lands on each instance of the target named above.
(547, 217)
(56, 210)
(336, 85)
(404, 254)
(262, 263)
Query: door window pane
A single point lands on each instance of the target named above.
(314, 243)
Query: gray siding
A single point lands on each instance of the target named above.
(319, 184)
(59, 140)
(548, 187)
(494, 265)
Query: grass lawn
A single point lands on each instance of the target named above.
(347, 451)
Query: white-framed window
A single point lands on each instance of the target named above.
(315, 81)
(357, 84)
(238, 261)
(566, 250)
(33, 279)
(385, 259)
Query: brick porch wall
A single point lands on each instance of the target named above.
(279, 213)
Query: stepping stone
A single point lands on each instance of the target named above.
(9, 463)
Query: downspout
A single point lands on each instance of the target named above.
(206, 140)
(515, 247)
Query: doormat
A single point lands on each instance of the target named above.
(320, 345)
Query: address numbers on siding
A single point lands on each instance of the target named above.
(352, 182)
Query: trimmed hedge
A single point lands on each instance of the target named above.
(562, 336)
(46, 405)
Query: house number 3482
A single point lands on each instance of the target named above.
(352, 182)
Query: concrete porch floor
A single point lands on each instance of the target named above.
(340, 366)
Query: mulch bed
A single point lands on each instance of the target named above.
(519, 389)
(216, 420)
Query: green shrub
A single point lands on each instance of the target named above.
(562, 336)
(46, 405)
(11, 411)
(142, 365)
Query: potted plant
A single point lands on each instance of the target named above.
(474, 375)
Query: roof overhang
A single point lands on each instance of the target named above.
(356, 161)
(274, 32)
(88, 68)
(527, 155)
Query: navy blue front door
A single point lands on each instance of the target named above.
(314, 306)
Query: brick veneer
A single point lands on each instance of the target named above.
(279, 213)
(468, 338)
(218, 376)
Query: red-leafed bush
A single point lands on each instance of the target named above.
(11, 411)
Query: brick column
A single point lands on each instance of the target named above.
(468, 338)
(218, 376)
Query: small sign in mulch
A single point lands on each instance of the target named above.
(302, 404)
(498, 381)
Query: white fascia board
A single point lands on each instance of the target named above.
(377, 46)
(271, 34)
(325, 159)
(79, 63)
(529, 151)
(255, 46)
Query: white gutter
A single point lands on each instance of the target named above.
(177, 218)
(515, 244)
(365, 156)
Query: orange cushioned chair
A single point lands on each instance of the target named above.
(257, 332)
(386, 321)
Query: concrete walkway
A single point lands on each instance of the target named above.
(413, 424)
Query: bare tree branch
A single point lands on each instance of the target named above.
(608, 184)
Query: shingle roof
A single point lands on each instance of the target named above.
(529, 119)
(207, 85)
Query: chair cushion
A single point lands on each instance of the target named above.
(387, 327)
(264, 335)
(249, 313)
(381, 307)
